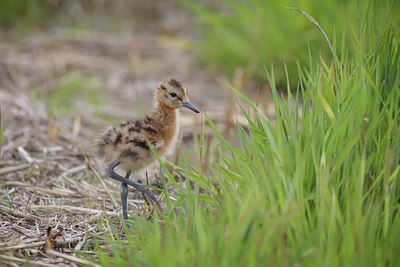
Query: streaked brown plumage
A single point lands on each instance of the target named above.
(126, 144)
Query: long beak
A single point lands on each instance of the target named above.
(187, 104)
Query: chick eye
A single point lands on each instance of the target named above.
(172, 94)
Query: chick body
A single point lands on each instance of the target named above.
(127, 144)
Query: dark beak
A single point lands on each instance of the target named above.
(187, 104)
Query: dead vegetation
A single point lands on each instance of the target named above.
(45, 182)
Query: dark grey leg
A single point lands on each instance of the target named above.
(124, 197)
(145, 190)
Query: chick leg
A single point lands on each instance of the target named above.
(124, 197)
(145, 190)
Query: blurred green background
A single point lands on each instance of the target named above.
(230, 37)
(249, 35)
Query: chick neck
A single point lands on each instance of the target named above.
(166, 112)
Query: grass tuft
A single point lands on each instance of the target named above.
(320, 186)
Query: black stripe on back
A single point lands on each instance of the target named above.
(139, 143)
(118, 139)
(150, 129)
(148, 119)
(133, 129)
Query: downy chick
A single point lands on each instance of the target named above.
(127, 144)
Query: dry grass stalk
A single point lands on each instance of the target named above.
(48, 242)
(70, 258)
(114, 202)
(54, 192)
(27, 262)
(75, 209)
(30, 245)
(9, 258)
(78, 250)
(24, 154)
(25, 204)
(8, 170)
(29, 217)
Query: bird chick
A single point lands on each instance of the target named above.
(127, 144)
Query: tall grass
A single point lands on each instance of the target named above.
(320, 187)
